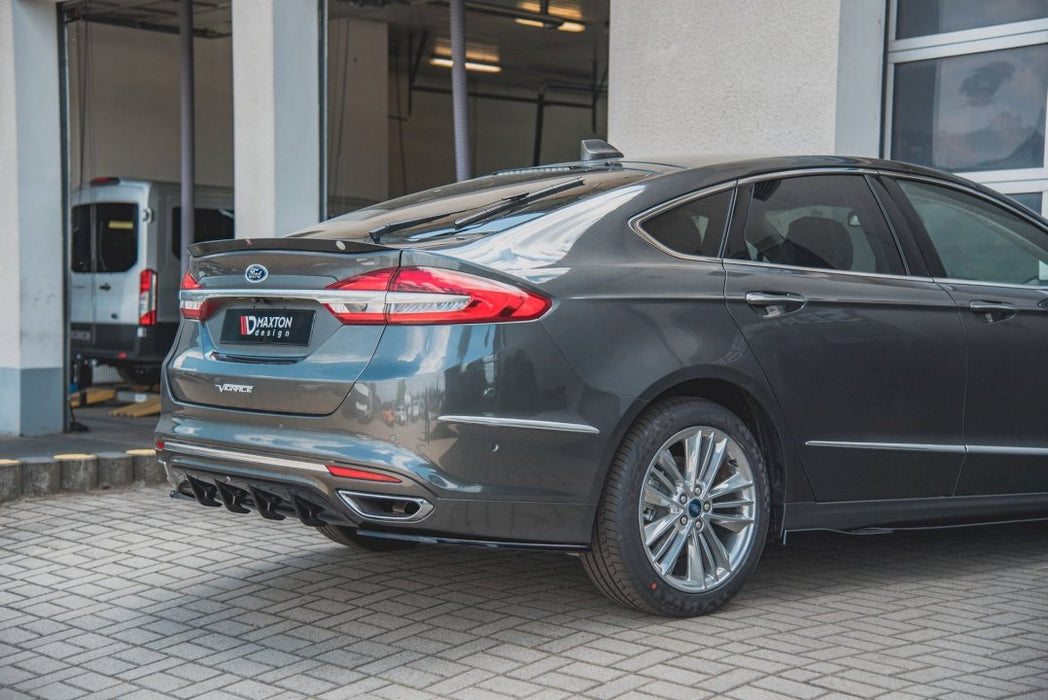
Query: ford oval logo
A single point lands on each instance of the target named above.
(256, 273)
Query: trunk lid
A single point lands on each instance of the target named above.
(268, 343)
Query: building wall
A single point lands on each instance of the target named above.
(357, 118)
(753, 76)
(124, 105)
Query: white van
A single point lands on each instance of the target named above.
(124, 268)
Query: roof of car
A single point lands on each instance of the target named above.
(747, 164)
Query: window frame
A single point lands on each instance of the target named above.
(1012, 35)
(636, 222)
(912, 269)
(924, 240)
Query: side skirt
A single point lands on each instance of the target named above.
(914, 512)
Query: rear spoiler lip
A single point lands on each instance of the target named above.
(309, 245)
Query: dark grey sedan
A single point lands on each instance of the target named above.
(655, 365)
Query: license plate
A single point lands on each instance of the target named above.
(283, 327)
(80, 335)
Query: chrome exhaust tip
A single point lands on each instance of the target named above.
(382, 507)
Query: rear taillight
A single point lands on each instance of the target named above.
(147, 298)
(193, 310)
(427, 295)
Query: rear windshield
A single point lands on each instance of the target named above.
(437, 209)
(208, 225)
(105, 237)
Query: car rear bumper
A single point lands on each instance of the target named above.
(281, 486)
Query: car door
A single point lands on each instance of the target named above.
(993, 261)
(865, 354)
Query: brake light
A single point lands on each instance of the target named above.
(192, 310)
(147, 298)
(426, 295)
(362, 474)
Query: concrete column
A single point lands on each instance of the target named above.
(276, 116)
(860, 77)
(32, 386)
(749, 76)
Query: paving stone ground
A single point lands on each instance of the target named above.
(132, 595)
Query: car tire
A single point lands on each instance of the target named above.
(348, 536)
(701, 541)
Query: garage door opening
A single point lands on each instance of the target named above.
(536, 78)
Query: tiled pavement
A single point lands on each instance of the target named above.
(129, 594)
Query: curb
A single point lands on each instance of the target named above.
(30, 477)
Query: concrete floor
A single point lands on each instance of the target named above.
(106, 434)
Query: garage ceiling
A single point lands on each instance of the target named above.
(504, 30)
(528, 55)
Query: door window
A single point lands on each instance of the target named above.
(208, 225)
(977, 240)
(114, 227)
(695, 227)
(821, 221)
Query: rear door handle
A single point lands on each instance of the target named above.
(993, 311)
(775, 304)
(104, 287)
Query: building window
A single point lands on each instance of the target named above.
(967, 90)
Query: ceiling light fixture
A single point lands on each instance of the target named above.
(470, 65)
(572, 27)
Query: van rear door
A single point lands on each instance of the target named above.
(116, 259)
(107, 256)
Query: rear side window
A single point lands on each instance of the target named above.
(977, 240)
(693, 228)
(80, 256)
(822, 221)
(105, 237)
(208, 225)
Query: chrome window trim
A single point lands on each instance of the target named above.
(830, 271)
(820, 170)
(900, 446)
(1013, 207)
(181, 448)
(529, 424)
(637, 220)
(978, 283)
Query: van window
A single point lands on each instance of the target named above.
(80, 260)
(208, 225)
(115, 232)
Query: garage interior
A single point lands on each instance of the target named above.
(536, 71)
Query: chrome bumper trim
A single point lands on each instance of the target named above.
(181, 448)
